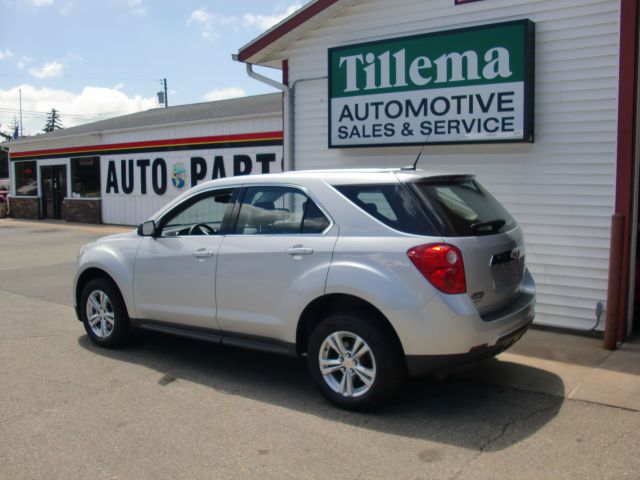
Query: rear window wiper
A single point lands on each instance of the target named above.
(488, 226)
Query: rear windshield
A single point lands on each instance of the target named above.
(392, 204)
(463, 208)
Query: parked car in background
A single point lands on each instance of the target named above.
(369, 274)
(5, 187)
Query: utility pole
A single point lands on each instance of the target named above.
(163, 94)
(166, 97)
(21, 128)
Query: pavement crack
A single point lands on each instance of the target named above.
(503, 431)
(507, 425)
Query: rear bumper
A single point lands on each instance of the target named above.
(419, 365)
(451, 325)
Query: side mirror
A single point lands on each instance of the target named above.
(147, 229)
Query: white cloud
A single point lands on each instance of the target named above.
(210, 23)
(66, 8)
(39, 3)
(103, 101)
(265, 22)
(224, 93)
(227, 20)
(205, 21)
(5, 54)
(200, 16)
(91, 104)
(138, 7)
(74, 56)
(23, 62)
(49, 69)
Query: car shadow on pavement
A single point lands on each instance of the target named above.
(457, 410)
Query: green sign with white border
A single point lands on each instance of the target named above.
(459, 86)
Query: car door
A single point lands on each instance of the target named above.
(174, 276)
(274, 260)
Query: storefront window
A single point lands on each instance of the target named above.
(85, 177)
(4, 164)
(26, 178)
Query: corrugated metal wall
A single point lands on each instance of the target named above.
(561, 188)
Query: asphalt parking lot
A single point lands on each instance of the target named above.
(167, 407)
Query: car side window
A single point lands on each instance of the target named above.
(314, 220)
(377, 204)
(202, 215)
(279, 211)
(392, 204)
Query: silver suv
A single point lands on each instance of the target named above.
(369, 274)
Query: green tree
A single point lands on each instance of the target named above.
(7, 135)
(53, 121)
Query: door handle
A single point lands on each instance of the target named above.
(202, 253)
(299, 250)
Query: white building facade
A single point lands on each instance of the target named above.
(539, 98)
(122, 170)
(556, 162)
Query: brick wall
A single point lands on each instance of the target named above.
(83, 211)
(24, 207)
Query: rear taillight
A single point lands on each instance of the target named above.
(442, 265)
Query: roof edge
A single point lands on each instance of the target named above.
(100, 133)
(44, 137)
(281, 29)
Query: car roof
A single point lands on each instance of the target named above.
(336, 176)
(333, 177)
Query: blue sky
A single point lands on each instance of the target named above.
(94, 59)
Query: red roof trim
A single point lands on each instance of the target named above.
(239, 138)
(293, 22)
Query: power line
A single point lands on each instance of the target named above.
(36, 113)
(33, 112)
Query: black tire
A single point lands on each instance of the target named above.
(385, 356)
(111, 326)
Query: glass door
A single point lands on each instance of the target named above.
(54, 190)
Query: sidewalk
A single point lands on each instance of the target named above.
(571, 366)
(62, 224)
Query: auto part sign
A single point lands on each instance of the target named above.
(459, 86)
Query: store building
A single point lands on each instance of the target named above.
(122, 170)
(537, 97)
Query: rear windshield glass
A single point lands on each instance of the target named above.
(393, 204)
(462, 207)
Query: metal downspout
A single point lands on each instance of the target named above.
(289, 162)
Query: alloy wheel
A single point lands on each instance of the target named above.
(100, 315)
(347, 364)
